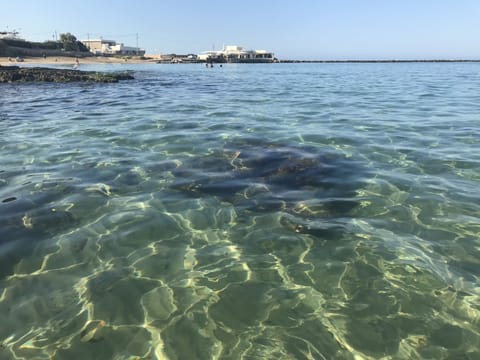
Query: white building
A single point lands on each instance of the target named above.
(237, 54)
(110, 47)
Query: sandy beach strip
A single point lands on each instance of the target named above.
(65, 60)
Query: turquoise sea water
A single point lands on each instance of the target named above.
(284, 211)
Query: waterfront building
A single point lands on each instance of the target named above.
(177, 58)
(111, 47)
(237, 54)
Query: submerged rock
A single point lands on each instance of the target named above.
(10, 74)
(313, 190)
(299, 179)
(29, 218)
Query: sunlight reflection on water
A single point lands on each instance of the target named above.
(273, 211)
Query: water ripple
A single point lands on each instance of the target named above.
(307, 211)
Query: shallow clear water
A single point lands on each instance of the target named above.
(300, 211)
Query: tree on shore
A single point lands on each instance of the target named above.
(70, 43)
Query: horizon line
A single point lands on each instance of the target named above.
(376, 60)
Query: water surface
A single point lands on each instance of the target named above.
(283, 211)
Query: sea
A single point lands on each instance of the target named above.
(248, 211)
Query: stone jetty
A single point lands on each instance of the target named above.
(11, 74)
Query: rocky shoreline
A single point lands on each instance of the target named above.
(11, 74)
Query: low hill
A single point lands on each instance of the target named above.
(67, 46)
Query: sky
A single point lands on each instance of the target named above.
(292, 29)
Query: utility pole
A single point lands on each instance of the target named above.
(136, 35)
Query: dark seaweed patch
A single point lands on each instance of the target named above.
(306, 181)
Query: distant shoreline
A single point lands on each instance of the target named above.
(66, 60)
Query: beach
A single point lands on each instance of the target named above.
(67, 60)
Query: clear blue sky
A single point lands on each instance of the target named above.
(293, 29)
